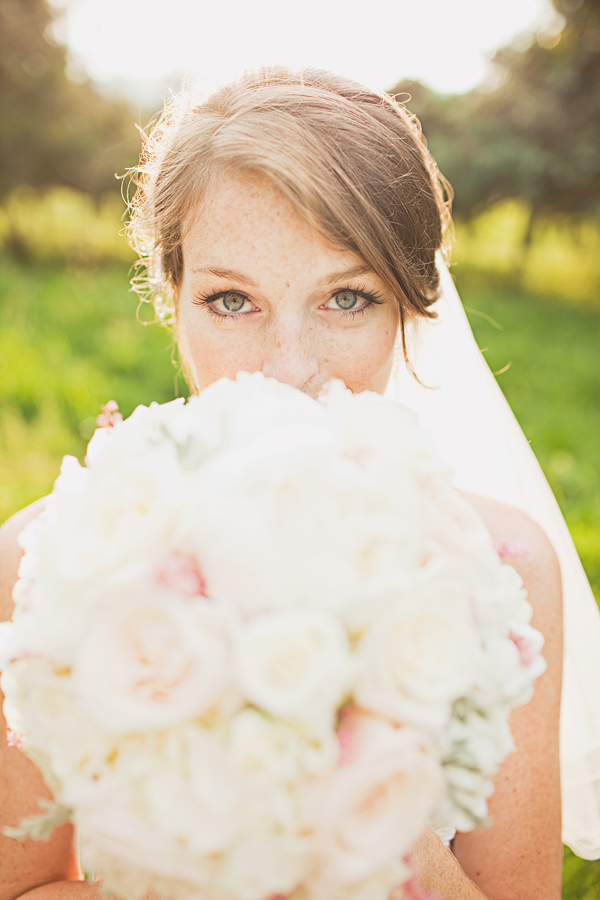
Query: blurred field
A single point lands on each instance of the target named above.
(63, 226)
(563, 260)
(70, 340)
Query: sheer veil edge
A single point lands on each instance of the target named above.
(477, 433)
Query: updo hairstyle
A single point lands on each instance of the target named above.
(352, 162)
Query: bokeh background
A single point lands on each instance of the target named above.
(517, 135)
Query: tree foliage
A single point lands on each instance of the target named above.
(54, 131)
(537, 135)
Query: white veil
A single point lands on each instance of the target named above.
(477, 433)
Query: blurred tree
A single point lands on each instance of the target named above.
(54, 131)
(537, 135)
(550, 105)
(459, 139)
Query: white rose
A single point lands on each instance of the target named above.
(262, 749)
(266, 863)
(120, 843)
(387, 519)
(273, 762)
(421, 654)
(119, 516)
(372, 426)
(529, 642)
(295, 664)
(253, 419)
(31, 540)
(453, 525)
(134, 437)
(375, 806)
(502, 675)
(360, 530)
(248, 507)
(49, 623)
(7, 643)
(190, 793)
(40, 704)
(254, 405)
(149, 664)
(498, 593)
(198, 432)
(180, 573)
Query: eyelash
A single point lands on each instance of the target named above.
(372, 298)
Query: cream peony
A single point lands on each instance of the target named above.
(118, 842)
(148, 664)
(264, 751)
(266, 864)
(373, 807)
(113, 518)
(420, 655)
(135, 437)
(191, 795)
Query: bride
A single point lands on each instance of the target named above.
(291, 223)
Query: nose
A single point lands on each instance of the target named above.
(290, 356)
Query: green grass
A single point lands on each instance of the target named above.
(581, 878)
(69, 342)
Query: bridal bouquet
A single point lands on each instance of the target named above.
(259, 643)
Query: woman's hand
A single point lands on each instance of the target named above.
(439, 871)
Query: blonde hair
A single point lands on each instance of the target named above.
(352, 162)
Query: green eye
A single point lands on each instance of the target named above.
(346, 299)
(233, 302)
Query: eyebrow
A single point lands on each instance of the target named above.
(233, 275)
(354, 272)
(221, 272)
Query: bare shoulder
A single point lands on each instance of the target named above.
(523, 544)
(10, 553)
(508, 523)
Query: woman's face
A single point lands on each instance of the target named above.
(262, 291)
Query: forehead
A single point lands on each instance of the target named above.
(246, 216)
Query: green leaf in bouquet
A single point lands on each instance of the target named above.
(40, 826)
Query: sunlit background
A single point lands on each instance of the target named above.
(508, 93)
(447, 45)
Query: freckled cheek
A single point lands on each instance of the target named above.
(364, 362)
(215, 356)
(362, 358)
